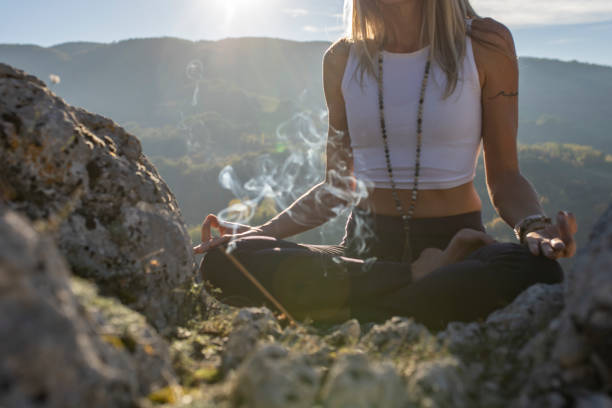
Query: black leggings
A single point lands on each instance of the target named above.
(363, 276)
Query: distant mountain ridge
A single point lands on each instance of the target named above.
(152, 82)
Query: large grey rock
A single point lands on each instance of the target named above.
(53, 352)
(117, 221)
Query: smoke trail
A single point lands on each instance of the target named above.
(195, 72)
(187, 126)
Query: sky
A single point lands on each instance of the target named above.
(564, 29)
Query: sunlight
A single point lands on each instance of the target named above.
(231, 7)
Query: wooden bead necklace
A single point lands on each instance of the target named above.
(406, 216)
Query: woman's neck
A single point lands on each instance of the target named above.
(403, 23)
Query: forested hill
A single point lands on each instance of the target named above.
(257, 82)
(149, 80)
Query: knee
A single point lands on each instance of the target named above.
(538, 267)
(545, 270)
(213, 262)
(516, 260)
(216, 266)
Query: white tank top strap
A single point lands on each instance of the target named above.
(468, 25)
(351, 66)
(471, 59)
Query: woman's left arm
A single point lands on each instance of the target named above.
(512, 195)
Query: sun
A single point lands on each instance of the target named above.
(232, 7)
(235, 17)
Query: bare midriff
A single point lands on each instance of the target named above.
(430, 203)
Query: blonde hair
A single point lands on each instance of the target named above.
(443, 28)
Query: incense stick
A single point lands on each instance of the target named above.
(258, 285)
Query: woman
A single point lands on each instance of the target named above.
(412, 93)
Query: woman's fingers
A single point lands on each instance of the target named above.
(547, 249)
(226, 227)
(557, 244)
(226, 231)
(534, 245)
(211, 221)
(567, 228)
(210, 244)
(538, 244)
(570, 218)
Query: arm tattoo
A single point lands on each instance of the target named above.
(503, 93)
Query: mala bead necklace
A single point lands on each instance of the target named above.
(406, 216)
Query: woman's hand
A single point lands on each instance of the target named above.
(463, 243)
(227, 232)
(556, 240)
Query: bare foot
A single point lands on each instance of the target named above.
(463, 243)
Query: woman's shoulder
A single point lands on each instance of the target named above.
(493, 35)
(335, 60)
(337, 54)
(493, 47)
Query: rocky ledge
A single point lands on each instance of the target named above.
(100, 309)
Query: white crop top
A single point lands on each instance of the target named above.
(451, 127)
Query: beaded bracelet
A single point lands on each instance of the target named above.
(522, 227)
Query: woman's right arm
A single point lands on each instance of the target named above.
(321, 202)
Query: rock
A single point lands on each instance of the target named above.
(52, 353)
(462, 337)
(273, 378)
(528, 314)
(573, 357)
(598, 400)
(585, 336)
(355, 382)
(438, 383)
(394, 335)
(346, 335)
(147, 354)
(250, 326)
(86, 178)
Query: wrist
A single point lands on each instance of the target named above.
(268, 229)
